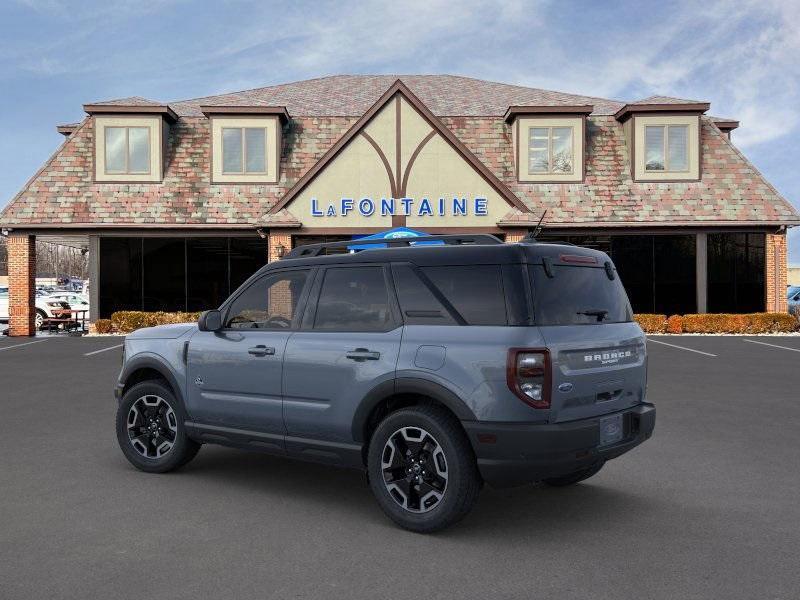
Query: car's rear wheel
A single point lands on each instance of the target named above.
(150, 429)
(422, 469)
(575, 477)
(39, 318)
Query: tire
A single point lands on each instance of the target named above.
(39, 318)
(152, 408)
(441, 496)
(575, 477)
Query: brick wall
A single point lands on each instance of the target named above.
(21, 284)
(515, 235)
(776, 273)
(277, 238)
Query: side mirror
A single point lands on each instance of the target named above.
(210, 320)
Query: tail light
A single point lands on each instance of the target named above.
(528, 376)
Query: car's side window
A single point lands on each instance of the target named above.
(270, 302)
(353, 299)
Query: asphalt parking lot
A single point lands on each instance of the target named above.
(708, 508)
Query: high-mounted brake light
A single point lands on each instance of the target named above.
(578, 259)
(528, 375)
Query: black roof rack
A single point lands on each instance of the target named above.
(312, 250)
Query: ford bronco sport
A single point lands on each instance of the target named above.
(434, 367)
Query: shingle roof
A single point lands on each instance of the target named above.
(130, 101)
(731, 191)
(665, 100)
(352, 95)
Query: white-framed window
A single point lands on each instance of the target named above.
(244, 150)
(127, 150)
(550, 150)
(666, 148)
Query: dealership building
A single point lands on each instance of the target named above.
(178, 203)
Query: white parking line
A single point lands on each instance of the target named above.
(771, 345)
(104, 349)
(20, 345)
(682, 348)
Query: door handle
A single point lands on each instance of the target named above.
(261, 350)
(362, 354)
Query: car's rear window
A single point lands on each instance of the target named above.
(475, 291)
(578, 295)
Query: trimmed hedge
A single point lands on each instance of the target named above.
(103, 326)
(125, 321)
(748, 323)
(719, 323)
(652, 323)
(130, 320)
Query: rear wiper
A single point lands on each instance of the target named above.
(594, 312)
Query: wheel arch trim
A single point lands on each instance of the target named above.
(156, 363)
(407, 385)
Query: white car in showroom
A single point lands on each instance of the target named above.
(47, 307)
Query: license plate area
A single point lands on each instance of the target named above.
(611, 429)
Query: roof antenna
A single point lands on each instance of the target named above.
(531, 237)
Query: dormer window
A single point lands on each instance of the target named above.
(244, 150)
(548, 142)
(127, 150)
(245, 143)
(666, 148)
(550, 150)
(129, 140)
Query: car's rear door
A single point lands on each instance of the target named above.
(348, 344)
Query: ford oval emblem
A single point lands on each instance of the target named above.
(565, 387)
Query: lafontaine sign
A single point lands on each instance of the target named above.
(423, 207)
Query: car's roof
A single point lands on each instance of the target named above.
(443, 255)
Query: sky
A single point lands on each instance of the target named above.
(739, 55)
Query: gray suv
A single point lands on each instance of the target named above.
(434, 364)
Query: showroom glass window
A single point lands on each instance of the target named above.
(244, 150)
(174, 274)
(736, 272)
(666, 148)
(550, 150)
(657, 271)
(127, 150)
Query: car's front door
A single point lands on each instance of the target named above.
(234, 375)
(347, 346)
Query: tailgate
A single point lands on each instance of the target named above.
(597, 369)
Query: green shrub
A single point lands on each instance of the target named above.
(126, 321)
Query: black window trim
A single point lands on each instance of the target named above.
(257, 278)
(309, 316)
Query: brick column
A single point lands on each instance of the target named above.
(278, 237)
(515, 235)
(21, 284)
(775, 271)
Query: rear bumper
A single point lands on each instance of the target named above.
(524, 452)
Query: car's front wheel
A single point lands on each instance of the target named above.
(150, 429)
(39, 318)
(422, 469)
